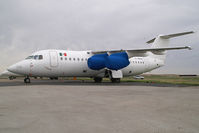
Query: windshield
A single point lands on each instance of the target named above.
(35, 57)
(30, 57)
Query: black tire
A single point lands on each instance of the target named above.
(11, 78)
(97, 80)
(115, 80)
(27, 80)
(51, 78)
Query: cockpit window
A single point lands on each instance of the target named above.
(30, 57)
(40, 57)
(35, 57)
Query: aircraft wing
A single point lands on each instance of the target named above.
(141, 52)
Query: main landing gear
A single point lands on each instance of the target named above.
(109, 74)
(27, 80)
(115, 80)
(98, 80)
(53, 78)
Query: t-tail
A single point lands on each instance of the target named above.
(162, 41)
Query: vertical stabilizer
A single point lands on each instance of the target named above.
(162, 41)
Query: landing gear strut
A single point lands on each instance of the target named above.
(27, 80)
(98, 80)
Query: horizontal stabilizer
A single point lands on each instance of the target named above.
(170, 36)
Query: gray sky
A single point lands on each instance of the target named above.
(30, 25)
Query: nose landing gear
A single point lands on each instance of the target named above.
(27, 80)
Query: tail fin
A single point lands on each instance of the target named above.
(162, 41)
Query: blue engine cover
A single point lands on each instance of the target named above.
(97, 62)
(117, 61)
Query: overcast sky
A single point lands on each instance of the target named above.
(27, 26)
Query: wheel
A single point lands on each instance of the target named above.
(97, 80)
(11, 78)
(27, 80)
(53, 78)
(115, 80)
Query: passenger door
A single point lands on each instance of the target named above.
(53, 59)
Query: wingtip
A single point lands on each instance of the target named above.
(189, 47)
(192, 32)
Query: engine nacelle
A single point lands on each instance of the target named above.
(97, 62)
(117, 61)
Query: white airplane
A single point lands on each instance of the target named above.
(114, 64)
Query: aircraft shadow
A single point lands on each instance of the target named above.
(80, 83)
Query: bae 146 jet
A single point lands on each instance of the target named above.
(114, 64)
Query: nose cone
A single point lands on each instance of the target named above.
(12, 68)
(22, 67)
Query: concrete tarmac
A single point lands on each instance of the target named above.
(46, 106)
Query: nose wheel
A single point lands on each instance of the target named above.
(27, 80)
